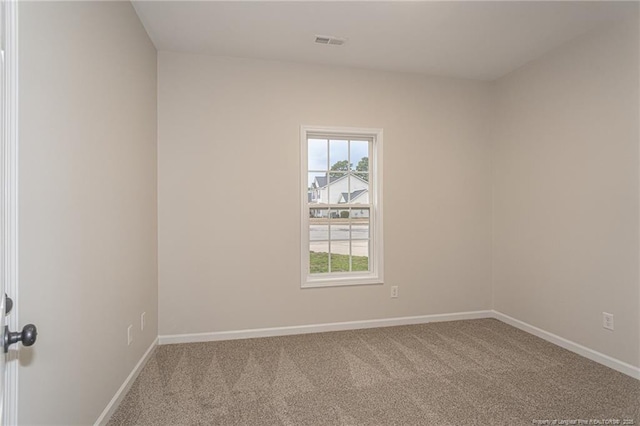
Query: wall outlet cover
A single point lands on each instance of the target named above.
(607, 321)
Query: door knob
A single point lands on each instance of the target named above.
(8, 304)
(27, 336)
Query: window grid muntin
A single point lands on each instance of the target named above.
(351, 171)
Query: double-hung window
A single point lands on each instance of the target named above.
(341, 206)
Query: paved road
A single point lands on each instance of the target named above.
(320, 233)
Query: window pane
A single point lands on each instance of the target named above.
(360, 224)
(358, 189)
(340, 256)
(339, 155)
(318, 213)
(317, 154)
(340, 225)
(360, 213)
(318, 257)
(340, 247)
(338, 184)
(360, 258)
(317, 191)
(318, 224)
(362, 175)
(360, 155)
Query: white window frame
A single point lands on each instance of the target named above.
(375, 273)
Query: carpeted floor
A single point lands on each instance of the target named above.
(479, 372)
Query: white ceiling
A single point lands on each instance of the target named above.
(477, 39)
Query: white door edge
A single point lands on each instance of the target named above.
(9, 214)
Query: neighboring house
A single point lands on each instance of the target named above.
(336, 191)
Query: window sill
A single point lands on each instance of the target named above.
(340, 282)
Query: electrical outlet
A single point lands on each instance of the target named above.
(607, 321)
(142, 321)
(130, 334)
(394, 291)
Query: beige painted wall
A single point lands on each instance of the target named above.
(88, 238)
(229, 198)
(566, 192)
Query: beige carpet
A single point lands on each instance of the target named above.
(480, 372)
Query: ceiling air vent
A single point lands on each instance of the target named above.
(330, 40)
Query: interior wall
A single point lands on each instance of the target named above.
(229, 192)
(565, 180)
(87, 185)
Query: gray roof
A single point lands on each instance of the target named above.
(354, 194)
(322, 180)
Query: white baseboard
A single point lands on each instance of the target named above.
(122, 392)
(319, 328)
(596, 356)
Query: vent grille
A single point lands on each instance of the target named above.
(336, 41)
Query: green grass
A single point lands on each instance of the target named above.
(319, 262)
